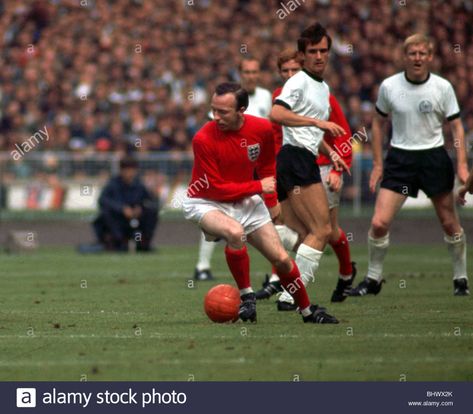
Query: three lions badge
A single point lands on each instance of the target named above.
(253, 152)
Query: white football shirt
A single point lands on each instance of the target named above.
(417, 110)
(260, 103)
(306, 95)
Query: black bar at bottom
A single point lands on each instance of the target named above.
(236, 397)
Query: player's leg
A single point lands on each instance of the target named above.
(388, 204)
(266, 240)
(455, 238)
(338, 239)
(309, 204)
(221, 225)
(347, 269)
(291, 231)
(202, 269)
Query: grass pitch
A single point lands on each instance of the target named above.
(67, 317)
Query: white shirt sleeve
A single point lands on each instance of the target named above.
(449, 102)
(291, 94)
(382, 103)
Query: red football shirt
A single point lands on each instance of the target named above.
(225, 161)
(336, 116)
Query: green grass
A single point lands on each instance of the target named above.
(111, 317)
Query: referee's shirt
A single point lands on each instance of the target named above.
(417, 109)
(307, 95)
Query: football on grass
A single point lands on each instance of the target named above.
(222, 303)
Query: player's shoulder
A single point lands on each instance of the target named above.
(257, 123)
(206, 132)
(440, 81)
(262, 92)
(393, 80)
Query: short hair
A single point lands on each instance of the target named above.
(313, 34)
(241, 95)
(128, 162)
(289, 54)
(419, 39)
(247, 59)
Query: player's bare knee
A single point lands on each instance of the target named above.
(450, 225)
(282, 262)
(379, 227)
(235, 236)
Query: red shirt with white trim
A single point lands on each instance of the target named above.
(225, 162)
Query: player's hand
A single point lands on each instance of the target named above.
(375, 178)
(462, 172)
(331, 127)
(461, 195)
(334, 182)
(128, 212)
(338, 163)
(275, 213)
(269, 185)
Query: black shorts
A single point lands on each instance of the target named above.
(295, 167)
(407, 172)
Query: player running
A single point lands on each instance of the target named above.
(418, 101)
(224, 198)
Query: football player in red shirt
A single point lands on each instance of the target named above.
(225, 200)
(289, 63)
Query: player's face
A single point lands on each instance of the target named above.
(417, 61)
(227, 117)
(316, 57)
(250, 73)
(289, 68)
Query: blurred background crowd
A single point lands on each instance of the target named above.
(115, 75)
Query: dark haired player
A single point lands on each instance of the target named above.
(227, 151)
(303, 109)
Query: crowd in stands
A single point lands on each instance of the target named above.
(120, 75)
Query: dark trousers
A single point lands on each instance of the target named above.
(114, 230)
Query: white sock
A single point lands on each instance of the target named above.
(306, 311)
(456, 245)
(206, 250)
(377, 249)
(307, 260)
(288, 236)
(274, 278)
(246, 291)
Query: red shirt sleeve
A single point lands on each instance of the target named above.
(337, 143)
(206, 171)
(266, 165)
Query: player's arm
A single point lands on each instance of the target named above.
(459, 143)
(339, 164)
(465, 188)
(378, 127)
(282, 114)
(209, 179)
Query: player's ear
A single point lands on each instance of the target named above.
(242, 110)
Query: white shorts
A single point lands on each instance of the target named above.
(332, 196)
(250, 212)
